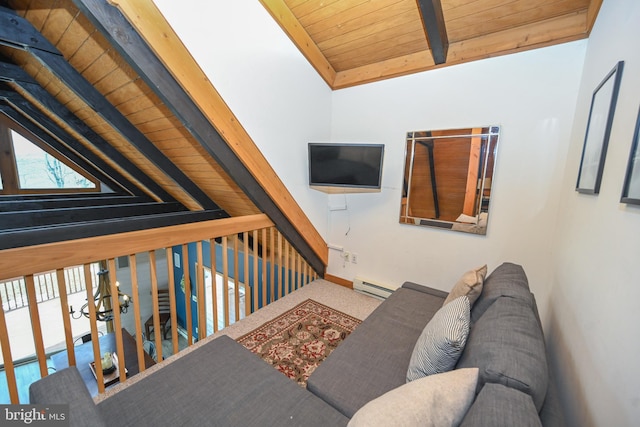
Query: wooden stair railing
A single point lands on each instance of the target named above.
(246, 251)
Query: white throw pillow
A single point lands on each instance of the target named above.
(470, 284)
(436, 400)
(442, 340)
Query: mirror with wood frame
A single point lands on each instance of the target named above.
(447, 178)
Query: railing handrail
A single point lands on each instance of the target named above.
(28, 260)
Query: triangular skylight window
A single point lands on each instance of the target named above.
(38, 169)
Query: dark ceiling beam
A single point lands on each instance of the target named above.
(89, 163)
(41, 235)
(18, 33)
(49, 217)
(17, 76)
(125, 39)
(433, 21)
(18, 197)
(44, 202)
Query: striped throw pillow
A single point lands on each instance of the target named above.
(441, 342)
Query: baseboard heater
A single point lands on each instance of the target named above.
(373, 289)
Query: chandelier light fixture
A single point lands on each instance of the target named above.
(102, 298)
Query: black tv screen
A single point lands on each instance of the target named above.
(345, 165)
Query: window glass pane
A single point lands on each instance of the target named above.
(38, 169)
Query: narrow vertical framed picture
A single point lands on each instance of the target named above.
(631, 188)
(596, 140)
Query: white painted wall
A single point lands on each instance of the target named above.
(578, 250)
(531, 95)
(273, 91)
(594, 313)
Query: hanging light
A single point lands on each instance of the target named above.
(102, 298)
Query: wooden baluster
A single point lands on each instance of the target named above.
(247, 288)
(135, 300)
(66, 318)
(225, 280)
(272, 262)
(35, 324)
(279, 262)
(299, 258)
(306, 273)
(214, 284)
(172, 299)
(187, 293)
(9, 369)
(287, 250)
(236, 278)
(255, 302)
(115, 305)
(264, 267)
(295, 261)
(97, 357)
(200, 294)
(157, 330)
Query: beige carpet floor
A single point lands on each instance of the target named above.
(335, 296)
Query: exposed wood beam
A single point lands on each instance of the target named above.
(395, 67)
(592, 13)
(433, 22)
(562, 29)
(44, 202)
(7, 161)
(17, 76)
(57, 216)
(69, 232)
(257, 179)
(23, 197)
(292, 28)
(89, 163)
(12, 33)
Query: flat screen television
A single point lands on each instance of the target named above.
(345, 166)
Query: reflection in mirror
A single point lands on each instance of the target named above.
(447, 178)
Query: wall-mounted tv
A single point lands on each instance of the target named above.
(348, 167)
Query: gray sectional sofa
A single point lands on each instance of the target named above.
(221, 383)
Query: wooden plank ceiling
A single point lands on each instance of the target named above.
(87, 51)
(81, 79)
(350, 42)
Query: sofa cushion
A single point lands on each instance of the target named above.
(66, 386)
(506, 343)
(437, 400)
(551, 413)
(470, 284)
(500, 406)
(374, 358)
(441, 342)
(507, 280)
(218, 383)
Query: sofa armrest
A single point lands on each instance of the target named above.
(500, 406)
(67, 387)
(425, 289)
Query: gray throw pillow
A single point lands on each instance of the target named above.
(441, 342)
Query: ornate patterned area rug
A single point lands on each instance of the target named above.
(296, 342)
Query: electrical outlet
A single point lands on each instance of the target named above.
(354, 258)
(347, 256)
